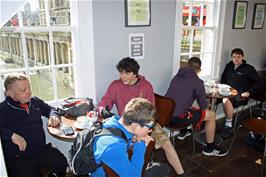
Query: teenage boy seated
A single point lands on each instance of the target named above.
(137, 121)
(22, 133)
(132, 85)
(185, 88)
(242, 77)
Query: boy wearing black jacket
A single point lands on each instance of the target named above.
(242, 77)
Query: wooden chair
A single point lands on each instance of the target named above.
(257, 126)
(165, 107)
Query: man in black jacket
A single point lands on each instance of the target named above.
(242, 77)
(22, 133)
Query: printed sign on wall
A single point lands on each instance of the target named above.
(136, 45)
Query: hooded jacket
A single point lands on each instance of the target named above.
(26, 123)
(112, 150)
(185, 88)
(120, 94)
(244, 78)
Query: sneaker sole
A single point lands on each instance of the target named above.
(211, 154)
(183, 137)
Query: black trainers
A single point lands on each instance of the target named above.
(184, 133)
(216, 151)
(227, 132)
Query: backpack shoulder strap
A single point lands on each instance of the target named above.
(112, 131)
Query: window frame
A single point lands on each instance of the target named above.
(217, 28)
(72, 28)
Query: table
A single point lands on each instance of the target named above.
(57, 132)
(214, 96)
(68, 121)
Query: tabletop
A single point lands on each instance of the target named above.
(66, 121)
(216, 95)
(57, 132)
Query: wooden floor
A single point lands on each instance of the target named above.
(240, 162)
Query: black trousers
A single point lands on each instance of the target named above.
(30, 166)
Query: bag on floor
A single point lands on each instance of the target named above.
(256, 141)
(81, 154)
(76, 106)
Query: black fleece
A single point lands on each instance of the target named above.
(15, 119)
(244, 78)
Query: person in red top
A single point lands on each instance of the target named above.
(132, 85)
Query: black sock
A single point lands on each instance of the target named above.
(210, 146)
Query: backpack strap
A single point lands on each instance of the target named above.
(112, 131)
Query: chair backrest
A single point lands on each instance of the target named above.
(165, 107)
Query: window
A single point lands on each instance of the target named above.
(38, 40)
(199, 32)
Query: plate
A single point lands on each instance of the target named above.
(224, 86)
(225, 93)
(82, 126)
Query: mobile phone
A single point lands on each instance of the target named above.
(68, 131)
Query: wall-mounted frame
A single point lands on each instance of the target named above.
(258, 16)
(240, 14)
(137, 13)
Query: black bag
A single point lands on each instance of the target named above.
(81, 154)
(76, 106)
(257, 141)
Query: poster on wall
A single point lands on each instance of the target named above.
(138, 13)
(136, 45)
(240, 14)
(258, 16)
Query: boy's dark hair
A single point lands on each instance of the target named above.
(195, 63)
(237, 51)
(139, 110)
(128, 65)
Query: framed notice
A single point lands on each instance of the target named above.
(240, 14)
(136, 45)
(137, 13)
(258, 16)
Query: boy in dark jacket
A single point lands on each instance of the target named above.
(22, 133)
(242, 77)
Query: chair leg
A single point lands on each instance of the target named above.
(235, 120)
(193, 140)
(172, 136)
(263, 159)
(250, 111)
(234, 137)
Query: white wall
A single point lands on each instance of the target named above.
(111, 43)
(252, 41)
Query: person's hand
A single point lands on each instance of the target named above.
(106, 113)
(147, 139)
(20, 141)
(245, 94)
(53, 121)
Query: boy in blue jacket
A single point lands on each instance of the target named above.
(138, 119)
(22, 133)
